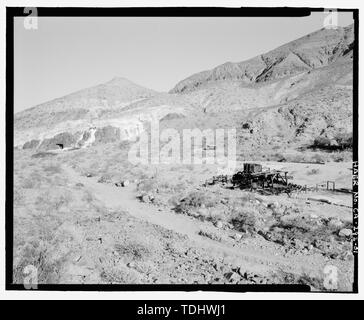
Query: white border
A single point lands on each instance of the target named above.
(165, 295)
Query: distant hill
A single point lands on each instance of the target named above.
(82, 104)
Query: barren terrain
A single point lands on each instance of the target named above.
(83, 213)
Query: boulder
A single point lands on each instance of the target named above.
(336, 223)
(345, 232)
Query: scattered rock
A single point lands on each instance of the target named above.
(104, 179)
(347, 256)
(203, 212)
(243, 273)
(298, 244)
(125, 183)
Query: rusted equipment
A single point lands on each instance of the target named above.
(253, 177)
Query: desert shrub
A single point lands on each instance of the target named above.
(29, 183)
(43, 155)
(338, 157)
(344, 140)
(309, 231)
(105, 178)
(340, 141)
(147, 186)
(321, 142)
(18, 197)
(198, 199)
(210, 235)
(120, 274)
(125, 145)
(313, 172)
(297, 158)
(52, 169)
(313, 281)
(278, 157)
(133, 250)
(317, 158)
(50, 202)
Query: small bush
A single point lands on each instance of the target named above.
(317, 158)
(314, 282)
(244, 221)
(313, 172)
(245, 218)
(196, 199)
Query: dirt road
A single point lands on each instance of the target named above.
(256, 254)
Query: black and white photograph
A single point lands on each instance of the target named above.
(182, 149)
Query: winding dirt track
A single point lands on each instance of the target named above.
(251, 257)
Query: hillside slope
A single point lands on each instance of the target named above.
(313, 51)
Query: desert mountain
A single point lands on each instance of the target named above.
(87, 116)
(313, 51)
(284, 98)
(86, 103)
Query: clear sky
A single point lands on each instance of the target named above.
(68, 54)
